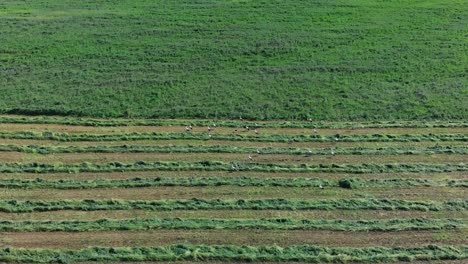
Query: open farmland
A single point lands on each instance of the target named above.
(234, 131)
(262, 60)
(92, 190)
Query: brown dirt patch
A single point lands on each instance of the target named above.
(228, 157)
(234, 192)
(232, 143)
(12, 127)
(236, 237)
(148, 174)
(229, 214)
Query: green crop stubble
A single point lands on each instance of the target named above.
(264, 224)
(15, 206)
(223, 166)
(232, 137)
(351, 183)
(306, 253)
(229, 149)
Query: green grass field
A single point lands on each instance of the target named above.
(234, 131)
(321, 59)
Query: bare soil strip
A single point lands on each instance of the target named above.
(230, 214)
(235, 237)
(338, 144)
(12, 127)
(10, 157)
(234, 192)
(147, 174)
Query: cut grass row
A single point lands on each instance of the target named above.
(231, 149)
(235, 137)
(15, 206)
(36, 167)
(307, 253)
(269, 262)
(226, 123)
(348, 183)
(138, 224)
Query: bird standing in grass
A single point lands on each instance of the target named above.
(250, 157)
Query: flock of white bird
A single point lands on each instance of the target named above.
(210, 129)
(250, 157)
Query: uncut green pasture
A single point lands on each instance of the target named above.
(321, 59)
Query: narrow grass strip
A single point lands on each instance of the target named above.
(228, 123)
(349, 183)
(264, 224)
(235, 137)
(36, 167)
(231, 149)
(15, 206)
(305, 253)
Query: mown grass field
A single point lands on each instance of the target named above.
(322, 59)
(233, 131)
(92, 191)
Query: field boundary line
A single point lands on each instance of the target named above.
(75, 121)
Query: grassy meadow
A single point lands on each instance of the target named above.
(321, 59)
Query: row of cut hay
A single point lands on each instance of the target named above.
(15, 206)
(41, 149)
(137, 182)
(306, 253)
(235, 137)
(36, 167)
(139, 224)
